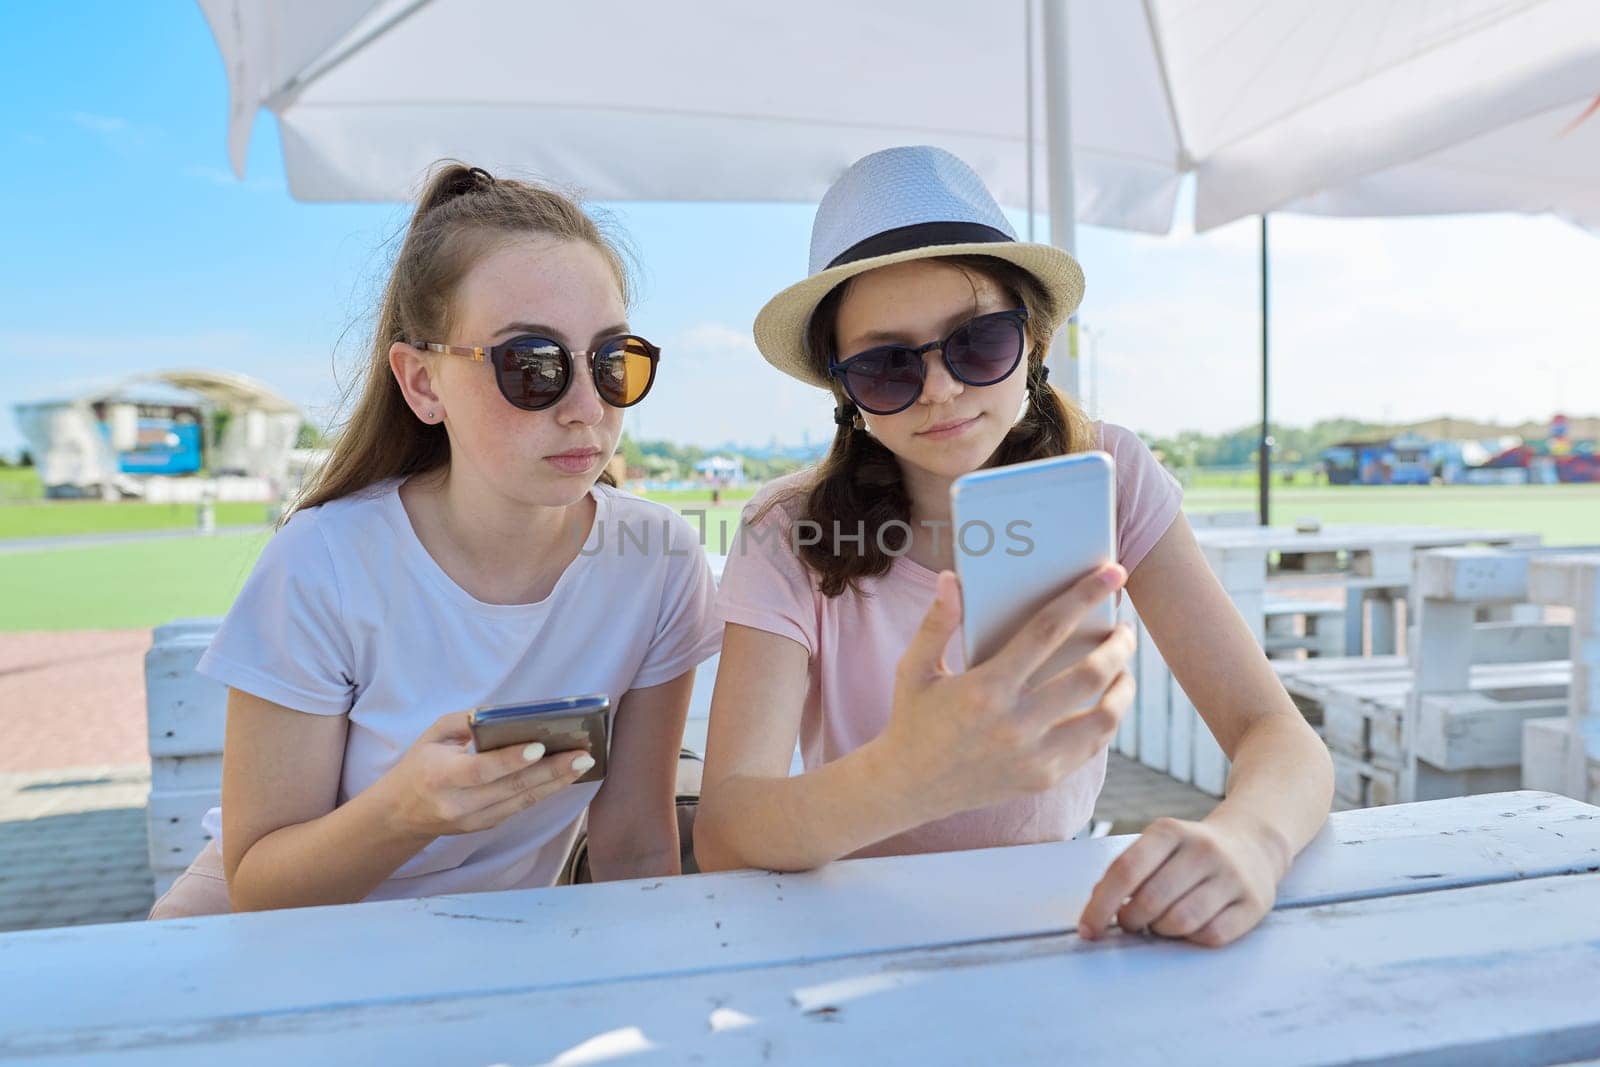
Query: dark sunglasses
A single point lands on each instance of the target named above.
(888, 379)
(534, 372)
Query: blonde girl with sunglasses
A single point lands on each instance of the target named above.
(462, 547)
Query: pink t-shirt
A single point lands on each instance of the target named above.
(855, 642)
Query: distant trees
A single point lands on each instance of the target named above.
(668, 460)
(311, 437)
(1292, 444)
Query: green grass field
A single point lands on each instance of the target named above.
(19, 483)
(68, 518)
(148, 583)
(120, 586)
(1563, 514)
(24, 513)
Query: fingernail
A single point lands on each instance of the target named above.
(582, 763)
(533, 752)
(1112, 576)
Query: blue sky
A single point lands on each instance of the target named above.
(129, 246)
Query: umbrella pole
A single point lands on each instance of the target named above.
(1265, 451)
(1028, 89)
(1058, 156)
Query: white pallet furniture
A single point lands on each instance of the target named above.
(186, 714)
(1212, 519)
(1372, 564)
(1297, 624)
(1387, 933)
(1452, 726)
(1448, 719)
(1569, 749)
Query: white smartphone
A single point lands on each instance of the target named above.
(1023, 534)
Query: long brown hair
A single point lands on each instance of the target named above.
(859, 484)
(462, 215)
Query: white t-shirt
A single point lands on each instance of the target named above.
(346, 613)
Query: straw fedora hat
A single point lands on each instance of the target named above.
(892, 206)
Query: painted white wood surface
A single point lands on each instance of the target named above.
(1544, 754)
(1153, 707)
(168, 974)
(1183, 726)
(1492, 974)
(1574, 582)
(1369, 982)
(1378, 564)
(1293, 623)
(502, 977)
(1127, 739)
(1355, 537)
(1469, 731)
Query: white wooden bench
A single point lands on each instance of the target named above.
(1565, 751)
(186, 714)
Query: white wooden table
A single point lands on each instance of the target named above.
(1456, 931)
(1375, 561)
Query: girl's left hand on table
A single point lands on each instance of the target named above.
(1208, 882)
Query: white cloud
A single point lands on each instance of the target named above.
(110, 125)
(225, 178)
(115, 132)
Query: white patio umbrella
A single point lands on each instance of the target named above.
(1544, 163)
(1266, 104)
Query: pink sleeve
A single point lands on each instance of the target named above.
(764, 584)
(1148, 496)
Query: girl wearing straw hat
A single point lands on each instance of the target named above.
(929, 323)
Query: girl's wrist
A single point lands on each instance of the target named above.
(892, 776)
(382, 810)
(1260, 832)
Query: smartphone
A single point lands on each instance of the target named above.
(560, 725)
(1023, 534)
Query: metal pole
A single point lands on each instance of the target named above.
(1265, 451)
(1058, 147)
(1027, 67)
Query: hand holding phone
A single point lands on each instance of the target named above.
(441, 786)
(962, 741)
(561, 725)
(1046, 683)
